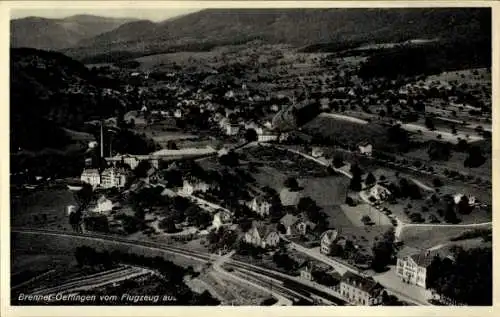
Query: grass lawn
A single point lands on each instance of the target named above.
(268, 176)
(348, 132)
(365, 236)
(357, 212)
(337, 218)
(326, 191)
(52, 202)
(456, 162)
(427, 237)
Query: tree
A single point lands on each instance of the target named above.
(251, 135)
(439, 151)
(171, 145)
(83, 196)
(450, 216)
(383, 250)
(338, 161)
(229, 159)
(370, 179)
(463, 206)
(429, 123)
(466, 280)
(141, 170)
(475, 157)
(168, 225)
(437, 182)
(291, 183)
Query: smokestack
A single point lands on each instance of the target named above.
(102, 141)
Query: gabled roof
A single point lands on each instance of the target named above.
(331, 235)
(289, 220)
(366, 284)
(263, 229)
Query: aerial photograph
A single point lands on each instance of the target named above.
(251, 157)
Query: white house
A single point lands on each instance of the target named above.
(267, 136)
(262, 235)
(327, 239)
(379, 192)
(92, 144)
(178, 113)
(190, 186)
(91, 176)
(103, 205)
(221, 218)
(260, 206)
(366, 149)
(458, 197)
(232, 129)
(317, 152)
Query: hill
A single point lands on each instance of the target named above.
(55, 34)
(49, 90)
(299, 27)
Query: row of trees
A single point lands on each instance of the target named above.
(466, 279)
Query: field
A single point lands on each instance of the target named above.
(29, 208)
(326, 191)
(456, 162)
(357, 212)
(285, 162)
(428, 237)
(344, 131)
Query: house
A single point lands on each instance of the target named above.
(232, 129)
(289, 197)
(71, 209)
(317, 152)
(379, 192)
(222, 152)
(360, 290)
(191, 185)
(458, 197)
(91, 176)
(321, 273)
(92, 144)
(114, 177)
(260, 206)
(283, 137)
(327, 240)
(365, 149)
(303, 224)
(262, 235)
(103, 205)
(412, 264)
(178, 113)
(289, 221)
(152, 176)
(267, 136)
(306, 271)
(221, 218)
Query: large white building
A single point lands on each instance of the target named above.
(91, 176)
(114, 177)
(360, 290)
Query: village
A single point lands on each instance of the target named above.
(344, 202)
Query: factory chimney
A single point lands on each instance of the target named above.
(102, 140)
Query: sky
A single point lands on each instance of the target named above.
(153, 14)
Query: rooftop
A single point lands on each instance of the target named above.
(366, 284)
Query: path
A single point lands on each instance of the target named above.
(422, 185)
